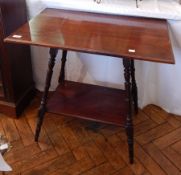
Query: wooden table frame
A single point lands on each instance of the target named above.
(124, 37)
(131, 90)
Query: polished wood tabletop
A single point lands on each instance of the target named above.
(120, 36)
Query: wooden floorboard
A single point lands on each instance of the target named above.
(69, 146)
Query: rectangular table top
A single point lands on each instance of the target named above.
(120, 36)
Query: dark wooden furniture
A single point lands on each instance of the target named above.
(129, 38)
(16, 82)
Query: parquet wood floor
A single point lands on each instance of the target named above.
(70, 146)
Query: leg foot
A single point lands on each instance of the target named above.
(41, 114)
(129, 132)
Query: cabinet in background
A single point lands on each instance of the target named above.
(16, 81)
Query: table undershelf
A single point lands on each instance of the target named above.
(90, 102)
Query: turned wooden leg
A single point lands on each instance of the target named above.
(53, 53)
(129, 124)
(134, 87)
(62, 71)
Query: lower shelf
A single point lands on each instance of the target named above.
(91, 102)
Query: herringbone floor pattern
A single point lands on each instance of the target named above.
(70, 146)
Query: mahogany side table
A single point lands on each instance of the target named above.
(130, 38)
